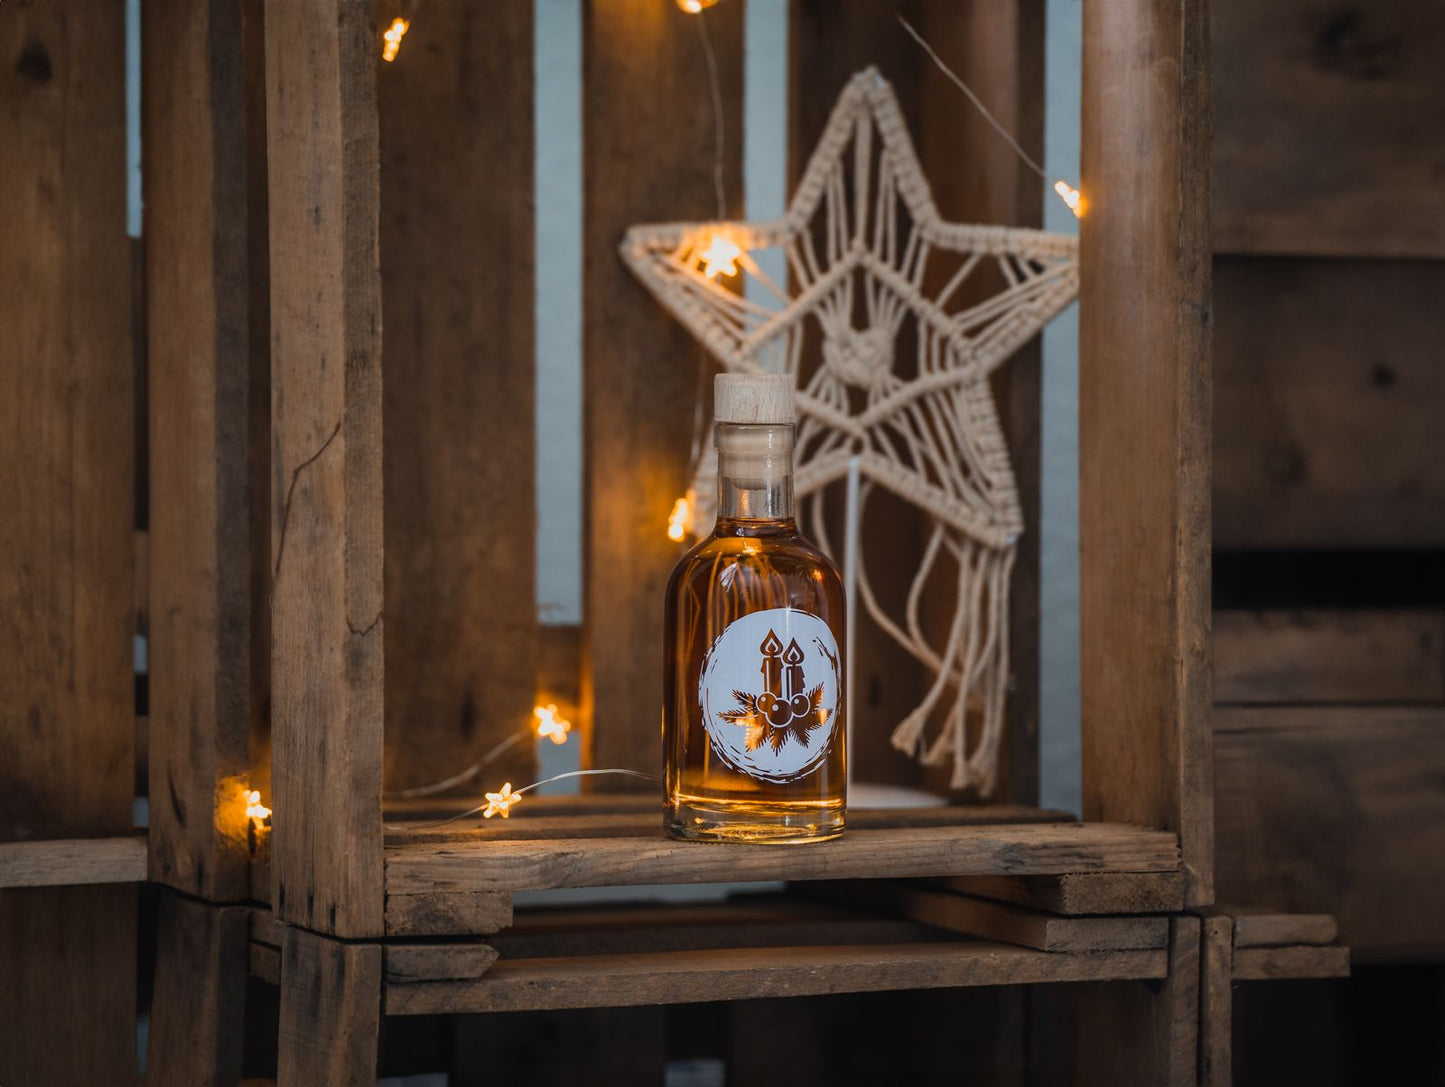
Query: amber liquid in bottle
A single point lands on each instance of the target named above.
(753, 714)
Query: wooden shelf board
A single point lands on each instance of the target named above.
(478, 860)
(681, 977)
(1290, 963)
(73, 861)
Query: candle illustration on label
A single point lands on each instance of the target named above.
(782, 730)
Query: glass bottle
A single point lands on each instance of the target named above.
(753, 714)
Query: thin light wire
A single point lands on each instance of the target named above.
(519, 792)
(717, 116)
(466, 775)
(987, 116)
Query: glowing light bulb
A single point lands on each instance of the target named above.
(550, 725)
(720, 256)
(1071, 196)
(257, 812)
(693, 7)
(501, 803)
(391, 38)
(678, 518)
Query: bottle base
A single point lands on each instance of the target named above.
(754, 823)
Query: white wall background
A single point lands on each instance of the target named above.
(559, 361)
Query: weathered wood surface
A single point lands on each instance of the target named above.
(264, 962)
(1347, 655)
(434, 914)
(1144, 422)
(691, 976)
(198, 1009)
(1254, 927)
(65, 862)
(1336, 810)
(1216, 1003)
(407, 963)
(1161, 1022)
(198, 298)
(647, 157)
(1010, 924)
(67, 613)
(68, 1001)
(1046, 849)
(458, 312)
(1327, 404)
(327, 624)
(330, 1011)
(1279, 963)
(1327, 128)
(1081, 893)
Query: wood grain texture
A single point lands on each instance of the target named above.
(198, 299)
(405, 963)
(68, 957)
(264, 962)
(1216, 1003)
(647, 157)
(1144, 419)
(1329, 128)
(880, 854)
(1336, 810)
(330, 1011)
(1281, 963)
(1327, 402)
(447, 914)
(327, 623)
(67, 614)
(1160, 1023)
(458, 311)
(1081, 893)
(1010, 924)
(690, 976)
(1260, 928)
(1346, 655)
(198, 1009)
(66, 862)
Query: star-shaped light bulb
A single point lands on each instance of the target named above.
(694, 7)
(1071, 196)
(678, 518)
(257, 812)
(391, 38)
(720, 257)
(501, 803)
(550, 724)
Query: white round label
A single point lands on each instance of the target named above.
(769, 692)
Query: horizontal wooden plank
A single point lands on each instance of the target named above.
(642, 820)
(1281, 963)
(433, 914)
(1327, 394)
(1336, 810)
(73, 861)
(880, 854)
(406, 963)
(264, 962)
(265, 929)
(1081, 892)
(1263, 928)
(1327, 125)
(750, 973)
(1010, 924)
(1329, 655)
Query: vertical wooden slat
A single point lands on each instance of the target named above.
(198, 1007)
(67, 614)
(1144, 418)
(648, 156)
(458, 303)
(326, 408)
(330, 1011)
(198, 303)
(1216, 1003)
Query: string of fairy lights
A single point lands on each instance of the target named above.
(717, 255)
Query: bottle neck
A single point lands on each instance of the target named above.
(755, 475)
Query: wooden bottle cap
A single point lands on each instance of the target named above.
(753, 398)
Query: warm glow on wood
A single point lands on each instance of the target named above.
(391, 39)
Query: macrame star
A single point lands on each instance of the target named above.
(892, 320)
